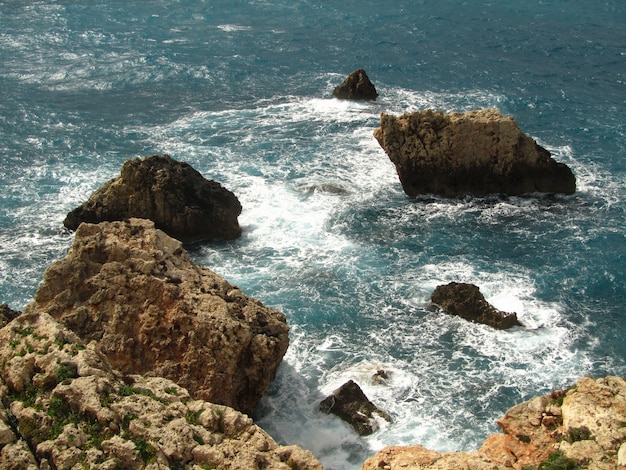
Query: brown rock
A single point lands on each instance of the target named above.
(466, 301)
(350, 404)
(72, 410)
(178, 199)
(584, 423)
(133, 289)
(474, 153)
(356, 86)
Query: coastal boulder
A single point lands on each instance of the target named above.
(581, 427)
(133, 289)
(67, 407)
(356, 86)
(350, 404)
(466, 301)
(474, 153)
(176, 197)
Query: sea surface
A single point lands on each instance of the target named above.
(242, 90)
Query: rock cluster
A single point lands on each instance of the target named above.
(582, 427)
(356, 86)
(177, 198)
(134, 290)
(473, 153)
(466, 301)
(350, 404)
(63, 406)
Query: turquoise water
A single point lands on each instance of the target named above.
(242, 91)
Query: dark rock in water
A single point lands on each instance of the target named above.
(176, 197)
(7, 314)
(350, 404)
(474, 153)
(381, 377)
(357, 86)
(466, 301)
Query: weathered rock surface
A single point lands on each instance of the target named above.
(177, 198)
(63, 406)
(473, 153)
(466, 301)
(134, 290)
(583, 426)
(356, 86)
(350, 404)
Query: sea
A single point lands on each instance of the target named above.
(242, 91)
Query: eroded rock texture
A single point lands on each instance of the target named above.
(582, 427)
(466, 301)
(473, 153)
(178, 199)
(133, 289)
(63, 406)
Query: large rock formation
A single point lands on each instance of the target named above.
(583, 427)
(179, 200)
(466, 301)
(63, 406)
(133, 289)
(356, 86)
(473, 153)
(350, 404)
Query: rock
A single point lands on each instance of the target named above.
(350, 404)
(73, 410)
(172, 194)
(473, 153)
(584, 424)
(466, 301)
(7, 314)
(356, 86)
(134, 290)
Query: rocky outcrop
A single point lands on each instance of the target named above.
(582, 427)
(134, 290)
(178, 199)
(63, 406)
(350, 404)
(474, 153)
(466, 301)
(356, 86)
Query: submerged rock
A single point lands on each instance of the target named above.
(64, 406)
(350, 404)
(473, 153)
(177, 198)
(466, 301)
(582, 427)
(134, 290)
(356, 86)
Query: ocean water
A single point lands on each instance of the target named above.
(242, 90)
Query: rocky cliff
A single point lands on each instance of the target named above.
(152, 311)
(63, 406)
(474, 153)
(177, 198)
(582, 427)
